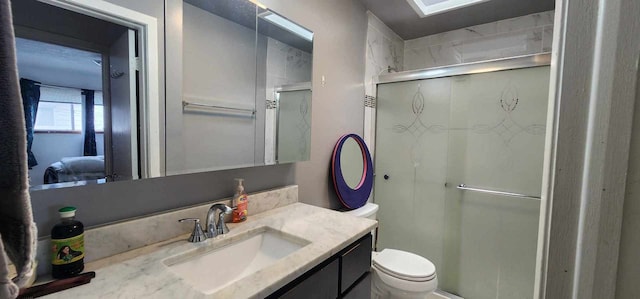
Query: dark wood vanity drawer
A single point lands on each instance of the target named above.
(355, 262)
(319, 285)
(361, 290)
(345, 274)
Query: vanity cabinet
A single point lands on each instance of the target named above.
(344, 275)
(319, 285)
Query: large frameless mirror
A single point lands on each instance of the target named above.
(87, 97)
(286, 76)
(246, 91)
(93, 116)
(214, 128)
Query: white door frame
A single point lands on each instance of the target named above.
(147, 28)
(592, 95)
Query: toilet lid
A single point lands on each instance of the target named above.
(404, 265)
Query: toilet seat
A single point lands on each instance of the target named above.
(404, 265)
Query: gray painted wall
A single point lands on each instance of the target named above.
(339, 54)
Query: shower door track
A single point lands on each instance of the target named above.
(486, 66)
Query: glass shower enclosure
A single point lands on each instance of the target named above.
(458, 162)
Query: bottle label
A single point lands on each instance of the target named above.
(66, 251)
(240, 213)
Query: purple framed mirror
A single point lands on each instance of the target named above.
(352, 171)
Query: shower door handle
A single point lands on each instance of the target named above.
(503, 193)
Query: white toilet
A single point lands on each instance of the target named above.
(396, 273)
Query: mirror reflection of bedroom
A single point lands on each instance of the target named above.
(67, 144)
(78, 96)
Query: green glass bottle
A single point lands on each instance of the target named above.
(67, 245)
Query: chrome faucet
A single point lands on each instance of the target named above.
(220, 228)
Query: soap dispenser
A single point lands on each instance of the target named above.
(240, 203)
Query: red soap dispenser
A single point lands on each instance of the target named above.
(240, 203)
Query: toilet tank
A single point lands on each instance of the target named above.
(369, 210)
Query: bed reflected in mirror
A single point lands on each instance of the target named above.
(60, 87)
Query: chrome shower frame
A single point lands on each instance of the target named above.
(487, 66)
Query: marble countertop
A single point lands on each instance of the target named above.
(142, 273)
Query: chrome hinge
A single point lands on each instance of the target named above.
(137, 63)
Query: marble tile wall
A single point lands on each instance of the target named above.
(285, 65)
(384, 49)
(524, 35)
(108, 240)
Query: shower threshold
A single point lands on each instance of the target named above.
(440, 294)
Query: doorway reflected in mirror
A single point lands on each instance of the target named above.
(79, 89)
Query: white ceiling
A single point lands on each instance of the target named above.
(58, 65)
(403, 20)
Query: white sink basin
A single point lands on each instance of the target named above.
(209, 269)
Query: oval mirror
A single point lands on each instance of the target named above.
(351, 163)
(352, 171)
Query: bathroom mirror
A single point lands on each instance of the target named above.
(90, 108)
(287, 80)
(246, 89)
(352, 164)
(215, 125)
(352, 171)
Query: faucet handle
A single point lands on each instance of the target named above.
(222, 227)
(197, 235)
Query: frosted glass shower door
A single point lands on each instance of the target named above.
(411, 165)
(483, 130)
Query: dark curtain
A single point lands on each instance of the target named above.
(89, 127)
(30, 91)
